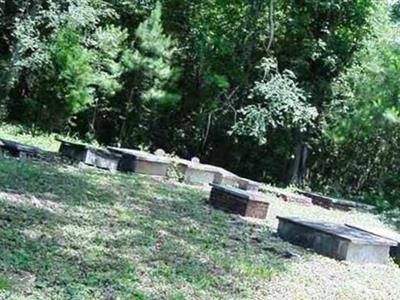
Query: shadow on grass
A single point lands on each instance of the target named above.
(50, 253)
(112, 229)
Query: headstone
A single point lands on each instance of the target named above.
(239, 202)
(160, 152)
(336, 241)
(195, 160)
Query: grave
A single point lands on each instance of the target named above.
(224, 177)
(289, 196)
(336, 241)
(333, 203)
(247, 184)
(384, 233)
(237, 201)
(142, 162)
(196, 173)
(88, 155)
(20, 150)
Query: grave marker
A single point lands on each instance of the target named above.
(142, 162)
(237, 201)
(333, 203)
(336, 241)
(90, 156)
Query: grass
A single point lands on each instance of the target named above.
(71, 233)
(83, 234)
(29, 136)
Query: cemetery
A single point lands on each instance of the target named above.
(304, 222)
(179, 150)
(237, 195)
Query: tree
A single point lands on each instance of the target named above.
(362, 125)
(317, 41)
(278, 102)
(149, 74)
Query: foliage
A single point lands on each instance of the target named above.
(280, 103)
(153, 58)
(72, 63)
(362, 123)
(180, 75)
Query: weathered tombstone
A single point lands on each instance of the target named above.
(336, 241)
(160, 152)
(195, 160)
(142, 162)
(333, 203)
(238, 201)
(90, 156)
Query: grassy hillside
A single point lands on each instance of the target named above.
(79, 233)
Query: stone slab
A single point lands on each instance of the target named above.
(335, 241)
(333, 203)
(238, 201)
(90, 156)
(388, 234)
(198, 174)
(248, 185)
(142, 162)
(224, 177)
(289, 196)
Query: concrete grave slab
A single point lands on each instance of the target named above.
(142, 162)
(247, 184)
(336, 241)
(224, 177)
(333, 203)
(237, 201)
(384, 233)
(195, 173)
(90, 156)
(289, 196)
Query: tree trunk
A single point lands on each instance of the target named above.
(298, 169)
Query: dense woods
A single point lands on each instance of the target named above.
(303, 92)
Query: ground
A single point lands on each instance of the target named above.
(68, 232)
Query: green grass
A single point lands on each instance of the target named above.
(71, 233)
(83, 234)
(29, 136)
